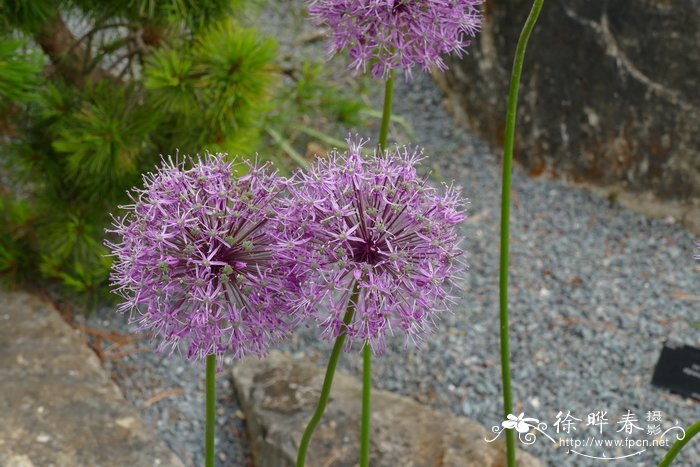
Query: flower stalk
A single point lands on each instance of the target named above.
(211, 410)
(366, 406)
(367, 354)
(505, 219)
(679, 444)
(386, 113)
(328, 380)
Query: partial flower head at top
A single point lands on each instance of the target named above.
(398, 34)
(194, 258)
(369, 230)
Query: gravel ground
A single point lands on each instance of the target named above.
(595, 292)
(169, 391)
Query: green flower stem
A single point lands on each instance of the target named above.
(678, 445)
(386, 114)
(328, 380)
(211, 411)
(505, 218)
(366, 406)
(367, 353)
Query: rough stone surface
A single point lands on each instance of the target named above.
(279, 394)
(58, 406)
(609, 94)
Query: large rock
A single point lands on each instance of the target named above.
(610, 94)
(58, 407)
(279, 395)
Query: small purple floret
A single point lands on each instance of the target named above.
(374, 223)
(398, 34)
(194, 258)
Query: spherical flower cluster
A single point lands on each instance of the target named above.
(194, 257)
(392, 34)
(368, 230)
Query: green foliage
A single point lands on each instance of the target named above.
(16, 254)
(26, 15)
(102, 140)
(169, 76)
(309, 97)
(215, 88)
(19, 71)
(74, 254)
(313, 91)
(142, 78)
(234, 73)
(193, 14)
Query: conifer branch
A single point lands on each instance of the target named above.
(67, 56)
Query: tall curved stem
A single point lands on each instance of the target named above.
(367, 351)
(505, 218)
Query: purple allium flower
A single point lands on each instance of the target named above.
(194, 259)
(390, 34)
(370, 227)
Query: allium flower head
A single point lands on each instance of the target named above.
(368, 229)
(193, 260)
(391, 34)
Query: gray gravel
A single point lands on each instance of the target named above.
(595, 291)
(178, 416)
